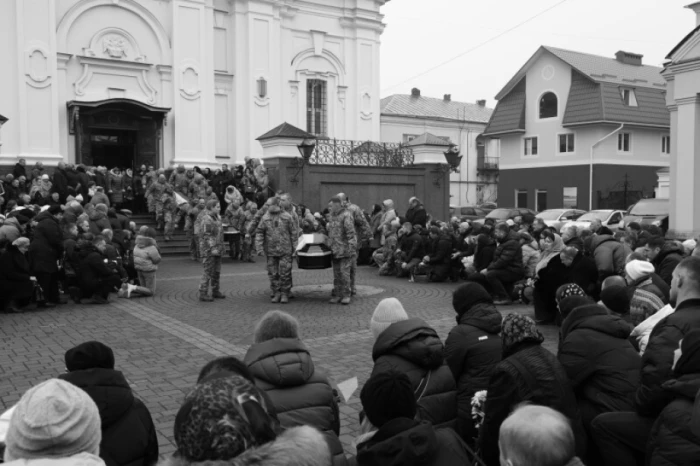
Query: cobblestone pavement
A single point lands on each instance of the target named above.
(161, 342)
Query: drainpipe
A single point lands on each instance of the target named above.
(590, 174)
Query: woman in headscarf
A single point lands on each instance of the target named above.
(550, 274)
(16, 285)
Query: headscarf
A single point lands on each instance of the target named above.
(570, 289)
(21, 241)
(516, 329)
(550, 253)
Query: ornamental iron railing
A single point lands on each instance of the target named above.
(361, 153)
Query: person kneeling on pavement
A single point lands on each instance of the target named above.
(437, 261)
(16, 281)
(96, 278)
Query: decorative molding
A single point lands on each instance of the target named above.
(107, 66)
(691, 100)
(319, 41)
(62, 60)
(194, 91)
(329, 56)
(366, 105)
(293, 88)
(582, 163)
(288, 12)
(114, 43)
(342, 95)
(38, 76)
(166, 72)
(223, 83)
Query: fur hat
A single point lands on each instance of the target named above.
(388, 395)
(637, 269)
(387, 312)
(89, 355)
(54, 419)
(517, 328)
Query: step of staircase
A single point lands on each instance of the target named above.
(179, 245)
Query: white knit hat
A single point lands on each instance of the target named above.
(54, 419)
(637, 269)
(388, 311)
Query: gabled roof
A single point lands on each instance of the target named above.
(285, 130)
(509, 116)
(429, 139)
(429, 107)
(682, 43)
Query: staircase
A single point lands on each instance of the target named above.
(177, 246)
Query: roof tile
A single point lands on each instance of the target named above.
(509, 114)
(429, 107)
(285, 130)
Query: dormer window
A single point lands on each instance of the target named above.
(629, 97)
(549, 105)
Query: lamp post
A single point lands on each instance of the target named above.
(453, 158)
(306, 150)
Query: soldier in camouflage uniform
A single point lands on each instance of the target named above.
(170, 210)
(147, 181)
(157, 191)
(275, 237)
(198, 188)
(342, 239)
(194, 208)
(247, 246)
(211, 195)
(235, 218)
(178, 180)
(211, 247)
(363, 233)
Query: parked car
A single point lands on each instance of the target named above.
(467, 212)
(555, 218)
(488, 206)
(608, 217)
(502, 214)
(649, 212)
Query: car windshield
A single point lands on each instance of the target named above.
(590, 216)
(499, 214)
(550, 214)
(651, 207)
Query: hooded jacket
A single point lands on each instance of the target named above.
(508, 255)
(417, 215)
(411, 244)
(609, 255)
(414, 348)
(233, 195)
(14, 268)
(146, 254)
(92, 268)
(128, 433)
(46, 247)
(389, 215)
(667, 259)
(98, 222)
(483, 254)
(441, 250)
(601, 363)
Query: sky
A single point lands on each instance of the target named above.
(421, 35)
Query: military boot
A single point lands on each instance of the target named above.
(205, 297)
(334, 300)
(276, 298)
(284, 299)
(218, 295)
(345, 300)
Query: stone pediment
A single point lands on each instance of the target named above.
(114, 43)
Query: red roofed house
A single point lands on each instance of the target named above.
(566, 111)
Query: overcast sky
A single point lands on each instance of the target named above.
(422, 34)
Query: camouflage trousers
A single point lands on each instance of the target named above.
(342, 268)
(246, 249)
(234, 245)
(151, 202)
(279, 271)
(169, 219)
(353, 272)
(158, 209)
(212, 272)
(194, 248)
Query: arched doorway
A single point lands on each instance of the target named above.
(120, 133)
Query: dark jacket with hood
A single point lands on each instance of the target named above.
(598, 358)
(675, 437)
(84, 180)
(60, 182)
(92, 268)
(406, 442)
(441, 250)
(417, 215)
(19, 170)
(14, 273)
(483, 253)
(609, 255)
(128, 433)
(414, 348)
(301, 395)
(667, 259)
(508, 255)
(47, 244)
(98, 222)
(584, 273)
(411, 245)
(472, 350)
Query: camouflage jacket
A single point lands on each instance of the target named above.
(341, 234)
(362, 228)
(211, 234)
(275, 233)
(235, 217)
(198, 220)
(159, 191)
(198, 190)
(247, 222)
(255, 221)
(148, 179)
(179, 182)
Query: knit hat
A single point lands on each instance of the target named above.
(570, 289)
(45, 177)
(468, 295)
(54, 419)
(388, 395)
(387, 312)
(89, 355)
(517, 328)
(637, 269)
(222, 418)
(616, 298)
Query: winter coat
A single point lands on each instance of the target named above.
(10, 230)
(598, 358)
(362, 228)
(179, 181)
(60, 182)
(211, 234)
(84, 181)
(441, 252)
(99, 222)
(146, 254)
(72, 177)
(158, 191)
(388, 216)
(342, 235)
(81, 459)
(483, 254)
(100, 179)
(508, 255)
(574, 242)
(46, 247)
(115, 186)
(19, 170)
(657, 360)
(233, 195)
(584, 273)
(14, 268)
(93, 268)
(299, 446)
(100, 198)
(301, 395)
(653, 284)
(198, 188)
(128, 433)
(640, 334)
(666, 261)
(417, 215)
(234, 218)
(531, 256)
(276, 233)
(529, 373)
(472, 350)
(609, 255)
(414, 348)
(406, 442)
(411, 245)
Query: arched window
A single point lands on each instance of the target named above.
(548, 105)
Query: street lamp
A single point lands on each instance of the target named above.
(306, 150)
(453, 158)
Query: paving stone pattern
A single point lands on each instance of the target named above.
(160, 343)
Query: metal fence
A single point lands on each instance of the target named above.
(487, 163)
(361, 153)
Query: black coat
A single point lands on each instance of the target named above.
(405, 442)
(19, 170)
(128, 433)
(440, 251)
(72, 178)
(14, 267)
(666, 261)
(414, 348)
(599, 360)
(472, 350)
(84, 180)
(527, 373)
(100, 179)
(417, 216)
(584, 273)
(657, 360)
(483, 254)
(92, 268)
(411, 245)
(47, 244)
(508, 255)
(60, 183)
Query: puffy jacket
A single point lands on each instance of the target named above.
(92, 268)
(584, 273)
(417, 215)
(47, 244)
(483, 253)
(598, 358)
(234, 218)
(414, 348)
(276, 233)
(472, 350)
(657, 360)
(531, 256)
(10, 230)
(411, 245)
(508, 255)
(99, 222)
(609, 255)
(81, 459)
(116, 186)
(666, 261)
(342, 235)
(301, 395)
(441, 251)
(99, 198)
(146, 254)
(128, 433)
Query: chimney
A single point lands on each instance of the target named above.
(696, 8)
(629, 58)
(415, 92)
(447, 98)
(481, 103)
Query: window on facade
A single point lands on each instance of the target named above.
(665, 144)
(548, 105)
(629, 97)
(530, 146)
(624, 142)
(566, 143)
(409, 137)
(316, 110)
(521, 198)
(540, 200)
(570, 198)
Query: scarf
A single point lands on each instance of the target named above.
(550, 253)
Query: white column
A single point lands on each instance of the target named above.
(685, 168)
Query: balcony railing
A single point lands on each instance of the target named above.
(487, 163)
(361, 153)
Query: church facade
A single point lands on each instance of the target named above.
(161, 82)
